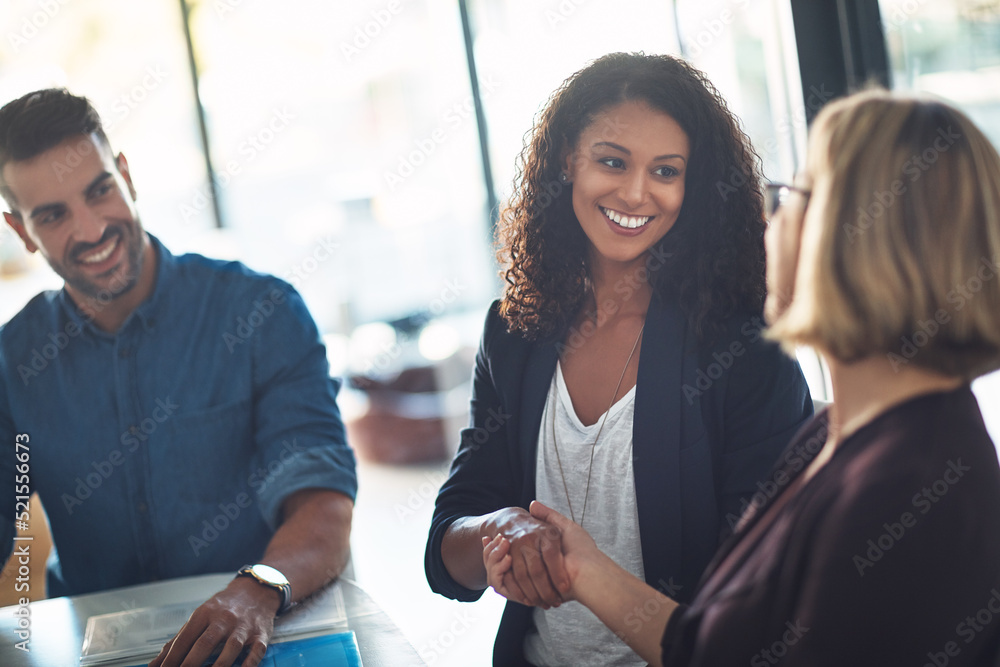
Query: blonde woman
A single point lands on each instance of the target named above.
(883, 545)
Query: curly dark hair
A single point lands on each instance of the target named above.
(716, 246)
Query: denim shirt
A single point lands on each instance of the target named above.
(166, 449)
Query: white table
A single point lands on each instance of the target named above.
(58, 624)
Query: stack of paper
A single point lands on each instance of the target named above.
(141, 633)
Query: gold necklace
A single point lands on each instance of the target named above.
(593, 445)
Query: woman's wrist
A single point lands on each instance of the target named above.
(595, 574)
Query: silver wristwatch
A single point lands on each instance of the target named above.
(268, 576)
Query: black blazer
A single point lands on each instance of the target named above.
(709, 422)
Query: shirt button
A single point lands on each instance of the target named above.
(134, 430)
(142, 507)
(124, 352)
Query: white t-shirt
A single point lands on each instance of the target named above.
(570, 634)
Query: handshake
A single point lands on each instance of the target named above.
(536, 557)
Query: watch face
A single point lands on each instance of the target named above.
(269, 574)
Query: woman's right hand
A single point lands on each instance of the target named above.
(537, 574)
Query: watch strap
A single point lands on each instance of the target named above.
(284, 590)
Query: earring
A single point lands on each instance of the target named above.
(563, 177)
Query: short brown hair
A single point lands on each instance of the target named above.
(34, 123)
(900, 251)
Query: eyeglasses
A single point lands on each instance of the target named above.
(777, 195)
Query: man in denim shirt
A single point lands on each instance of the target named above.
(177, 411)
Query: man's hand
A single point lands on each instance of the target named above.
(537, 575)
(239, 620)
(576, 548)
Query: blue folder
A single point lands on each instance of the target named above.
(339, 650)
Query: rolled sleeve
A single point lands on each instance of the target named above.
(300, 438)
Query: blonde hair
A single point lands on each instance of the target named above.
(900, 249)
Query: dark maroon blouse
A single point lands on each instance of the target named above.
(889, 555)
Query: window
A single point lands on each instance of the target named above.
(346, 152)
(951, 49)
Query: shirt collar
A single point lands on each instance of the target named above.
(166, 266)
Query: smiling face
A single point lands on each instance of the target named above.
(627, 172)
(82, 219)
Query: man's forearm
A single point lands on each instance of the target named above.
(462, 551)
(312, 545)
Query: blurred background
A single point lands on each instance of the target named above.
(361, 151)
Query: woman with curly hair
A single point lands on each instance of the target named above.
(882, 544)
(622, 378)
